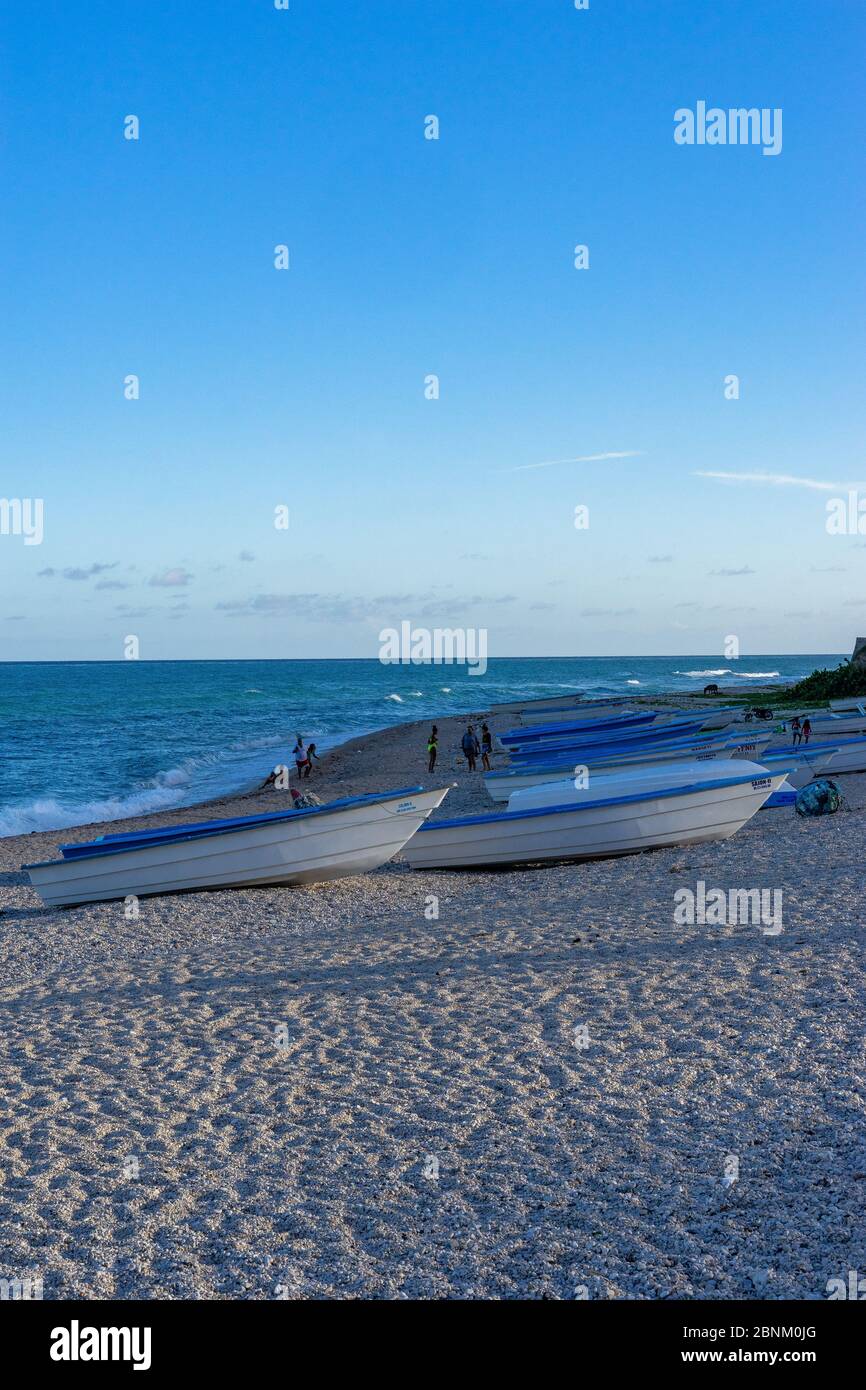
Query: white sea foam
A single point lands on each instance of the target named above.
(197, 778)
(722, 671)
(727, 671)
(398, 698)
(49, 814)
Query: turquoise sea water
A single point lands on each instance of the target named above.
(86, 741)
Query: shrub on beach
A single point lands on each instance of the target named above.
(845, 680)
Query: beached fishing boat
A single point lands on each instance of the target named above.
(546, 749)
(595, 728)
(598, 829)
(564, 713)
(633, 726)
(849, 753)
(621, 781)
(501, 784)
(285, 847)
(803, 764)
(554, 711)
(825, 725)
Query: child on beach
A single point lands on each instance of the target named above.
(432, 748)
(308, 765)
(807, 730)
(471, 747)
(486, 747)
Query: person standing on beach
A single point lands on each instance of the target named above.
(432, 748)
(486, 747)
(796, 731)
(308, 764)
(807, 729)
(471, 747)
(299, 753)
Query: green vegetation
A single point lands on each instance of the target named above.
(844, 681)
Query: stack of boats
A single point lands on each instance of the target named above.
(839, 732)
(595, 780)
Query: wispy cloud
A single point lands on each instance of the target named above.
(606, 612)
(128, 612)
(732, 574)
(660, 559)
(339, 608)
(77, 572)
(171, 579)
(776, 480)
(582, 458)
(246, 555)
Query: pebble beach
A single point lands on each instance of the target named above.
(525, 1084)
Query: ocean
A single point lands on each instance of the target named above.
(90, 741)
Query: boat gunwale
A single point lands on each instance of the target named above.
(149, 839)
(633, 758)
(498, 816)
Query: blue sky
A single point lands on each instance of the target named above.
(409, 257)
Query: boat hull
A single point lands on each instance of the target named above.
(802, 767)
(597, 830)
(284, 850)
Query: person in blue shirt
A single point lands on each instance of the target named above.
(471, 747)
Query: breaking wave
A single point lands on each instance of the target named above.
(723, 671)
(48, 814)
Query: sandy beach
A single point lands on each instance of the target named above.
(332, 1092)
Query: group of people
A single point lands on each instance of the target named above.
(304, 755)
(470, 744)
(801, 733)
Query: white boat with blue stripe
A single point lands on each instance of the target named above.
(596, 829)
(601, 784)
(311, 845)
(849, 754)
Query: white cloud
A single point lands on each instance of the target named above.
(776, 480)
(583, 458)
